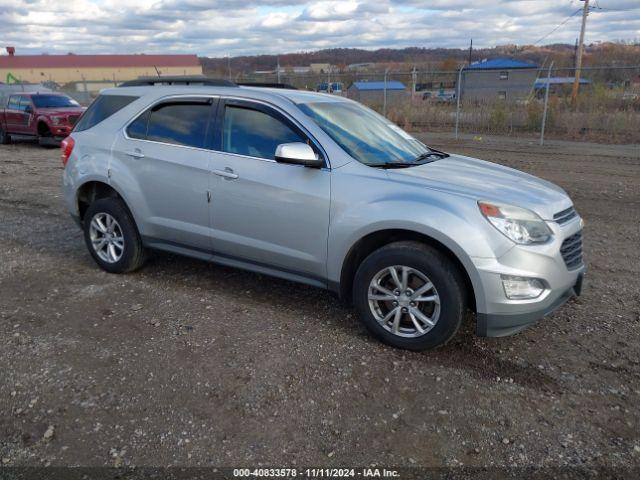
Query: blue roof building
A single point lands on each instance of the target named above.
(500, 64)
(498, 79)
(369, 86)
(373, 93)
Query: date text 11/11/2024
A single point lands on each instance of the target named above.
(316, 473)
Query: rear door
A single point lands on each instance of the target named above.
(164, 156)
(262, 211)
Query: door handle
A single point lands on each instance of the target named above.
(226, 173)
(135, 153)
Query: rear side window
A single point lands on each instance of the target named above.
(138, 128)
(102, 108)
(24, 103)
(183, 123)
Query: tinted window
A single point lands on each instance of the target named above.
(253, 133)
(53, 101)
(14, 103)
(102, 108)
(138, 128)
(24, 101)
(179, 123)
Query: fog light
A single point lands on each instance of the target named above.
(521, 288)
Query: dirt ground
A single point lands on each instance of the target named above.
(188, 363)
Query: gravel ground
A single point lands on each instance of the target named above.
(188, 363)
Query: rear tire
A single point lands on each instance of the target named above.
(111, 236)
(5, 138)
(420, 306)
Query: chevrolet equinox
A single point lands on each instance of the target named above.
(321, 190)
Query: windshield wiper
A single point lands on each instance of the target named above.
(432, 153)
(395, 164)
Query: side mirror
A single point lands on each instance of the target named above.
(298, 154)
(28, 109)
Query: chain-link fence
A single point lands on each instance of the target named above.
(471, 100)
(491, 101)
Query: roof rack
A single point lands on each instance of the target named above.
(177, 80)
(266, 85)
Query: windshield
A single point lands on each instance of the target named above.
(366, 136)
(53, 101)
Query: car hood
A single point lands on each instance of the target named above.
(483, 180)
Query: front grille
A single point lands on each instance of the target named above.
(73, 119)
(571, 251)
(565, 215)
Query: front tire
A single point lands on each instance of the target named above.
(112, 237)
(5, 138)
(409, 295)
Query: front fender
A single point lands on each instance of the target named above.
(449, 219)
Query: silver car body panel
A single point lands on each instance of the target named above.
(301, 223)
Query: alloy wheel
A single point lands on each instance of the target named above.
(106, 237)
(404, 301)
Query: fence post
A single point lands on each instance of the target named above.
(384, 101)
(458, 99)
(546, 102)
(414, 78)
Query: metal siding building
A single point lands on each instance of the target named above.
(498, 79)
(63, 69)
(373, 92)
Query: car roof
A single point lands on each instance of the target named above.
(257, 93)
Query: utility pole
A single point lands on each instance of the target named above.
(229, 65)
(470, 51)
(576, 79)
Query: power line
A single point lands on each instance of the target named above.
(561, 24)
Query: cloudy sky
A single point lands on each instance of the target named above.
(237, 27)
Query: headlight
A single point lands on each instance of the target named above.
(518, 224)
(57, 120)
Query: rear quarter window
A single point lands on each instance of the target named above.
(102, 108)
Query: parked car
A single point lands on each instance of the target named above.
(49, 117)
(336, 88)
(320, 190)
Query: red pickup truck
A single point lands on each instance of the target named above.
(49, 117)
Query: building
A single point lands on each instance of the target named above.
(63, 69)
(558, 85)
(373, 92)
(498, 79)
(321, 67)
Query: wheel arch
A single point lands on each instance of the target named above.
(93, 190)
(375, 240)
(42, 127)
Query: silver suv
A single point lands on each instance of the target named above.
(318, 189)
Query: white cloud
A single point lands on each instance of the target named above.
(220, 27)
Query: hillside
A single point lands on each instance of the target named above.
(431, 58)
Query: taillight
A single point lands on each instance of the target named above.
(66, 147)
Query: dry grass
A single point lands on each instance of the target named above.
(600, 116)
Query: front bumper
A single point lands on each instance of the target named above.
(500, 316)
(504, 324)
